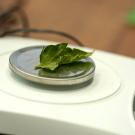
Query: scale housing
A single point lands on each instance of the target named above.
(30, 115)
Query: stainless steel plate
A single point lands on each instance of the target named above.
(23, 62)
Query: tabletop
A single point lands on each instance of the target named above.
(98, 24)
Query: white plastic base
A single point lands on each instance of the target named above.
(54, 113)
(98, 89)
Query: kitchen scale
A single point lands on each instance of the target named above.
(102, 106)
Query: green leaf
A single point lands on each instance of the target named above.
(67, 70)
(53, 56)
(131, 17)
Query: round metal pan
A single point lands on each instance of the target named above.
(23, 61)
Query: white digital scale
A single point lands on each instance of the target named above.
(103, 107)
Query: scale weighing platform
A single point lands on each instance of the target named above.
(103, 107)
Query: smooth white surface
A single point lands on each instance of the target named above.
(110, 116)
(99, 89)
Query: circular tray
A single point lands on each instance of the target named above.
(106, 83)
(23, 62)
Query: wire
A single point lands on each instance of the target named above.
(49, 31)
(25, 25)
(10, 10)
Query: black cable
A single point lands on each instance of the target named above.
(49, 31)
(15, 8)
(25, 25)
(24, 20)
(9, 11)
